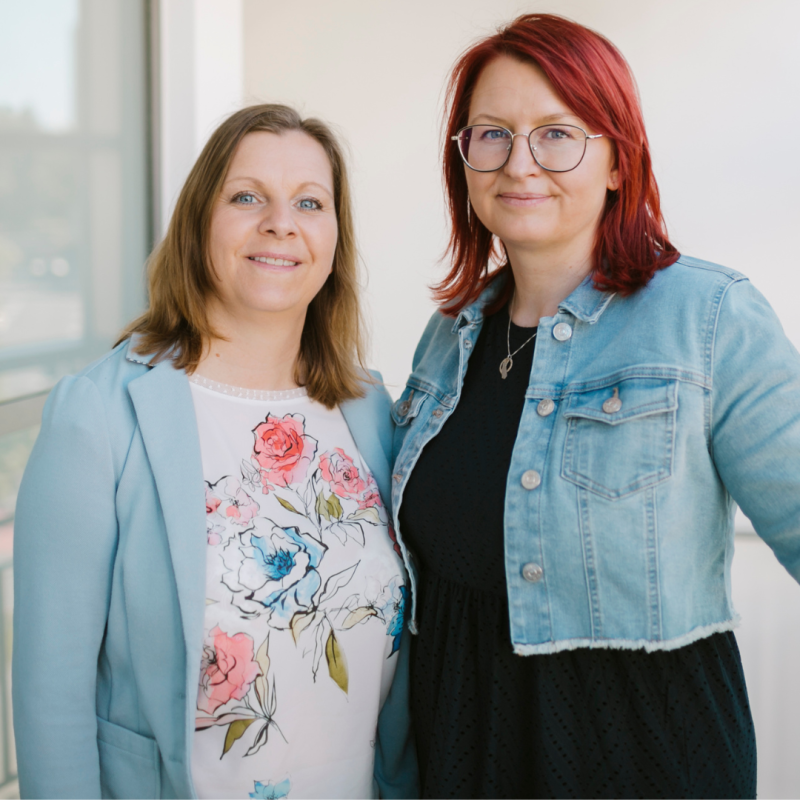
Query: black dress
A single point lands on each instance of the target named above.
(579, 723)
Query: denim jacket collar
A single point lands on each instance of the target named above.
(586, 303)
(473, 313)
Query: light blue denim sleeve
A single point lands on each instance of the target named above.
(65, 535)
(396, 772)
(755, 418)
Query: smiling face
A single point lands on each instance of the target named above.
(530, 209)
(273, 228)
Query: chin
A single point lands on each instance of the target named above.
(526, 236)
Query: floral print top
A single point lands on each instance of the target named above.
(304, 601)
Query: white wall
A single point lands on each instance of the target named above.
(200, 62)
(719, 81)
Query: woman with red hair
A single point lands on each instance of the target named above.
(584, 412)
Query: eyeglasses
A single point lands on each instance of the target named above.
(556, 148)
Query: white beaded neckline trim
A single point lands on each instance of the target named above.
(248, 394)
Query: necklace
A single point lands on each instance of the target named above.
(508, 361)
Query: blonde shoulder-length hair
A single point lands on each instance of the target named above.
(180, 273)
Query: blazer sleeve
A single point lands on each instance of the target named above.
(396, 773)
(65, 536)
(755, 418)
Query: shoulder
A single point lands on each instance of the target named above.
(689, 292)
(689, 276)
(440, 334)
(97, 396)
(697, 267)
(115, 367)
(375, 401)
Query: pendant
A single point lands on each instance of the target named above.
(505, 366)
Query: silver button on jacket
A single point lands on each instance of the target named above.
(531, 479)
(562, 332)
(667, 414)
(545, 407)
(532, 572)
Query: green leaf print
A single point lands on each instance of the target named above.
(288, 506)
(337, 665)
(235, 732)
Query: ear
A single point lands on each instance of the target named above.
(613, 180)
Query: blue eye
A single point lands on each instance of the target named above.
(559, 134)
(309, 204)
(245, 198)
(495, 134)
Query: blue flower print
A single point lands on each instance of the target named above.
(273, 570)
(269, 791)
(389, 603)
(396, 622)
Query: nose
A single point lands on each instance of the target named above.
(278, 220)
(521, 162)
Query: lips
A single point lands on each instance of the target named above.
(523, 198)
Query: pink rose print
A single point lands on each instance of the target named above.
(242, 507)
(214, 533)
(341, 473)
(227, 670)
(212, 502)
(371, 496)
(282, 450)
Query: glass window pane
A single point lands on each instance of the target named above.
(74, 204)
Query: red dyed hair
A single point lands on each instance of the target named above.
(595, 81)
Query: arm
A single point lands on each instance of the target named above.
(65, 537)
(755, 419)
(395, 754)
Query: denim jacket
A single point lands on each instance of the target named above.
(646, 419)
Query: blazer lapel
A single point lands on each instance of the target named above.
(165, 412)
(370, 424)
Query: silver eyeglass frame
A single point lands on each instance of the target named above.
(587, 136)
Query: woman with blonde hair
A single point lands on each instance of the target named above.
(208, 600)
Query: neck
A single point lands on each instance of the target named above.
(543, 279)
(252, 352)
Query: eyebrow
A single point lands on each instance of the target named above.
(303, 186)
(543, 121)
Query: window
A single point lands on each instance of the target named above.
(74, 198)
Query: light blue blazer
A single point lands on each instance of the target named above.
(109, 563)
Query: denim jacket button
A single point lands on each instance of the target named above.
(531, 479)
(545, 407)
(437, 413)
(397, 477)
(532, 572)
(613, 404)
(468, 344)
(562, 331)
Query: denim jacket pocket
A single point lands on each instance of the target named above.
(620, 438)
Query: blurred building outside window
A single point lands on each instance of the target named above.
(75, 220)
